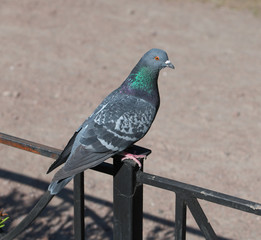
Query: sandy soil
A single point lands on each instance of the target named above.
(59, 59)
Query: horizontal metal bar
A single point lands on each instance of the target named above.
(54, 152)
(45, 150)
(146, 178)
(198, 192)
(29, 146)
(104, 167)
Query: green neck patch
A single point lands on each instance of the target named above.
(144, 79)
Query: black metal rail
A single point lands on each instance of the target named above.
(128, 184)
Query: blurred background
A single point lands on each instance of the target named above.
(59, 59)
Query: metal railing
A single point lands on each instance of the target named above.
(128, 184)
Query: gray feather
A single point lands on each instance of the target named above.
(57, 186)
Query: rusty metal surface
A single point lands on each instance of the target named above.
(29, 146)
(54, 152)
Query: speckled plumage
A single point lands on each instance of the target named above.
(123, 118)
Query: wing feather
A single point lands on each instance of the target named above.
(64, 155)
(113, 127)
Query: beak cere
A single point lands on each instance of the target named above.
(169, 64)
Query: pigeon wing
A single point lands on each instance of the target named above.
(64, 155)
(66, 151)
(111, 129)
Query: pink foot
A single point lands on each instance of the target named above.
(133, 157)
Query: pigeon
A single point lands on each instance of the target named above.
(122, 118)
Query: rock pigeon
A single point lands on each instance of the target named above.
(123, 118)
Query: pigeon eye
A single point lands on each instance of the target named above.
(156, 58)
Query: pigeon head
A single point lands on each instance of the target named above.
(156, 59)
(143, 78)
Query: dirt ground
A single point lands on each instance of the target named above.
(59, 59)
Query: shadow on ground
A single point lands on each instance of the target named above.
(50, 226)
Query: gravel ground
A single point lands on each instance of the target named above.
(59, 59)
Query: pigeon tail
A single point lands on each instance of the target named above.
(56, 186)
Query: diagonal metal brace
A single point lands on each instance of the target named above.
(201, 218)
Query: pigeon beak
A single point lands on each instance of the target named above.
(169, 64)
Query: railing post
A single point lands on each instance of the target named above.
(127, 202)
(78, 192)
(180, 218)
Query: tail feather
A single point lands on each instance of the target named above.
(56, 186)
